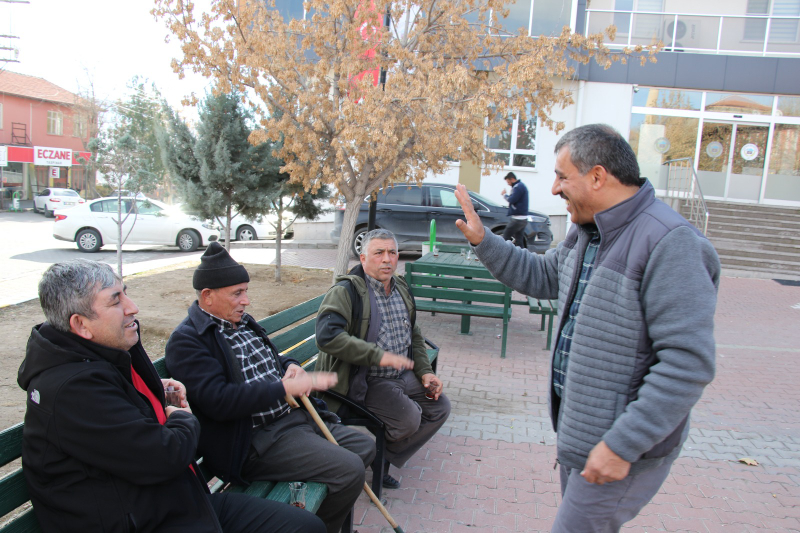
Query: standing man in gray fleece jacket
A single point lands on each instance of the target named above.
(637, 288)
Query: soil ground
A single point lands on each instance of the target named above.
(163, 296)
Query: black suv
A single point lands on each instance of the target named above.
(407, 212)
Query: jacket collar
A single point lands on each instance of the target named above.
(623, 213)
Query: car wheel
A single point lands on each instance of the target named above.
(246, 233)
(48, 213)
(188, 240)
(35, 209)
(358, 239)
(89, 240)
(289, 235)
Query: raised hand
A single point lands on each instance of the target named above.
(473, 227)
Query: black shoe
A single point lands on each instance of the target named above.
(390, 483)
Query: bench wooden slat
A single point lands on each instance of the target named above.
(13, 492)
(454, 283)
(449, 270)
(24, 523)
(278, 321)
(453, 308)
(295, 335)
(460, 295)
(259, 489)
(10, 444)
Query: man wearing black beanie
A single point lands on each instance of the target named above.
(238, 383)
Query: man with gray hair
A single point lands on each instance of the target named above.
(367, 334)
(101, 450)
(636, 287)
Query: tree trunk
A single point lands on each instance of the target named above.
(228, 229)
(346, 238)
(119, 233)
(278, 238)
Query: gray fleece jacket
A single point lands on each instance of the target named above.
(643, 345)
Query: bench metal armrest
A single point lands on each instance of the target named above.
(431, 344)
(358, 411)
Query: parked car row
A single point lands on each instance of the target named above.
(53, 198)
(407, 212)
(94, 224)
(262, 227)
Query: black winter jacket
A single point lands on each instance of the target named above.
(199, 356)
(94, 455)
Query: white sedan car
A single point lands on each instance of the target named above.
(52, 198)
(245, 229)
(94, 224)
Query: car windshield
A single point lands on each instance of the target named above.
(485, 200)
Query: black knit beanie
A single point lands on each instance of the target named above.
(218, 269)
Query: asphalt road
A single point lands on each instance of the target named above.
(28, 248)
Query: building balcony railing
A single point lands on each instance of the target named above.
(756, 35)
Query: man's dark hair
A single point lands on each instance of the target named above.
(600, 144)
(511, 176)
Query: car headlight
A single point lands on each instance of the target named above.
(208, 226)
(537, 220)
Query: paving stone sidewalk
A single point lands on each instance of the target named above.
(490, 469)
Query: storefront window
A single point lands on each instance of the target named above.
(789, 106)
(667, 98)
(656, 139)
(783, 179)
(745, 104)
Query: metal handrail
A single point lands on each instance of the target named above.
(683, 191)
(670, 41)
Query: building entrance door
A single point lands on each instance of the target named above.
(731, 162)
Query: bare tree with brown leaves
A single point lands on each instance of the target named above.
(453, 75)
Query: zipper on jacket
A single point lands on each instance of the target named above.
(555, 465)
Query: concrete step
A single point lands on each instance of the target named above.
(765, 252)
(745, 218)
(756, 247)
(749, 233)
(723, 207)
(760, 264)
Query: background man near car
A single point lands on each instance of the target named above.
(237, 383)
(366, 333)
(517, 200)
(636, 287)
(101, 452)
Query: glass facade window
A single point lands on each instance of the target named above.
(744, 104)
(667, 98)
(656, 139)
(550, 17)
(517, 142)
(783, 178)
(789, 106)
(519, 17)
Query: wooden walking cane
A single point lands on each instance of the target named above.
(291, 401)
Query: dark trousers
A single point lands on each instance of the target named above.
(411, 419)
(591, 508)
(240, 513)
(293, 448)
(516, 230)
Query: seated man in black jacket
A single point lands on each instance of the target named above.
(101, 451)
(237, 383)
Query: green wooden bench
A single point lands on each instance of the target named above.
(14, 492)
(299, 343)
(454, 290)
(549, 310)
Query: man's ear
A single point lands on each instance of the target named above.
(205, 295)
(599, 176)
(77, 324)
